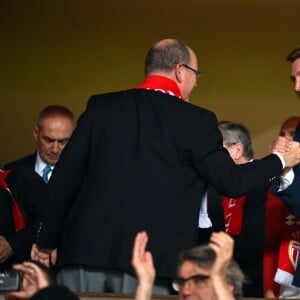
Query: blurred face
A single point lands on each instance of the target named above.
(288, 128)
(52, 136)
(287, 133)
(195, 289)
(189, 76)
(295, 75)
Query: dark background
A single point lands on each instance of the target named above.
(61, 52)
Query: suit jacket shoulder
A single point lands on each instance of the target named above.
(27, 161)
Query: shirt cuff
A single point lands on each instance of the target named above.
(281, 158)
(286, 180)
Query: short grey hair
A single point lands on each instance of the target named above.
(204, 257)
(237, 133)
(163, 57)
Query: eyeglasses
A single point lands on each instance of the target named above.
(194, 281)
(197, 73)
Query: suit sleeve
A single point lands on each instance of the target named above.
(216, 167)
(291, 195)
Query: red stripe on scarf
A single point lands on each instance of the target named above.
(233, 214)
(160, 84)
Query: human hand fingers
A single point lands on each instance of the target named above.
(280, 144)
(292, 157)
(142, 260)
(41, 255)
(38, 274)
(53, 257)
(222, 243)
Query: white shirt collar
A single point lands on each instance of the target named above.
(40, 165)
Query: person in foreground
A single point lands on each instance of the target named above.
(38, 284)
(143, 158)
(204, 272)
(243, 218)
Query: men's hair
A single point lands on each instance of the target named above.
(293, 55)
(204, 257)
(234, 133)
(290, 123)
(55, 111)
(163, 57)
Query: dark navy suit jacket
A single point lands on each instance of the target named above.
(139, 160)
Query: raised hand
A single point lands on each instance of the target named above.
(142, 263)
(34, 279)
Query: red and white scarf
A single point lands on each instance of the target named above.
(289, 253)
(160, 84)
(233, 214)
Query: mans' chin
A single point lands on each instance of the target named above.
(52, 162)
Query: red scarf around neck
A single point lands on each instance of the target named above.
(160, 84)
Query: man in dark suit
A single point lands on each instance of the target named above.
(242, 218)
(291, 196)
(51, 132)
(135, 162)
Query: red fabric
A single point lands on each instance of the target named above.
(3, 175)
(233, 214)
(18, 217)
(275, 212)
(160, 84)
(282, 244)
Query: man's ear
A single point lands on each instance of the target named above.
(231, 287)
(239, 151)
(178, 73)
(35, 132)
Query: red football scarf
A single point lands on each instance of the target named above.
(282, 247)
(19, 220)
(233, 214)
(160, 84)
(289, 253)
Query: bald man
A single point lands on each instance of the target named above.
(139, 160)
